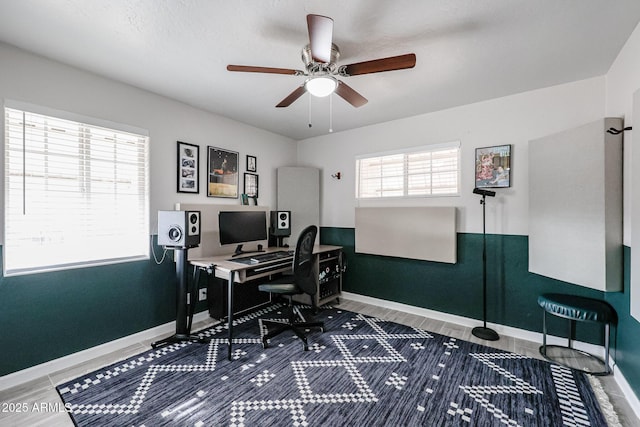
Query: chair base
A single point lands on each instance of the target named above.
(298, 328)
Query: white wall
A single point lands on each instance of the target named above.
(36, 80)
(510, 120)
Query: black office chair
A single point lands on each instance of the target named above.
(302, 281)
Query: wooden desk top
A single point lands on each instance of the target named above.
(223, 265)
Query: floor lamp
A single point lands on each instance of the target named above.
(483, 332)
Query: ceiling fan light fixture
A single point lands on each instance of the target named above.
(321, 86)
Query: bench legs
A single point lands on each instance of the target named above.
(572, 333)
(572, 330)
(543, 349)
(606, 348)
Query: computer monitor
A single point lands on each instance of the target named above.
(239, 227)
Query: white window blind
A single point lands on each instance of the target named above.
(75, 194)
(426, 171)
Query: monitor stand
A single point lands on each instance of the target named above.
(239, 251)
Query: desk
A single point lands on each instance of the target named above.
(224, 267)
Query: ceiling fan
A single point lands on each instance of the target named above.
(320, 57)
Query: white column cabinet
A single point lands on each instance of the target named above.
(299, 192)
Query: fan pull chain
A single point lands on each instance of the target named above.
(309, 97)
(330, 113)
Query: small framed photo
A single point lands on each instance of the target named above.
(222, 180)
(251, 185)
(188, 168)
(493, 167)
(252, 165)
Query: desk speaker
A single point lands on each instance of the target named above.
(281, 223)
(179, 228)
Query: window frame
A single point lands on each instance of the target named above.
(405, 174)
(142, 194)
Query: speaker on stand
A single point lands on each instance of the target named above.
(180, 231)
(280, 226)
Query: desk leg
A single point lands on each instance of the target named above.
(230, 311)
(193, 300)
(544, 333)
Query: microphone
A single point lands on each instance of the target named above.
(484, 192)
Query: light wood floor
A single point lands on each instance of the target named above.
(44, 407)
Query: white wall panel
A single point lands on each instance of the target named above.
(575, 206)
(424, 233)
(635, 211)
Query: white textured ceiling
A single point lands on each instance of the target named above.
(467, 50)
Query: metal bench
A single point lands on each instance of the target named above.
(581, 309)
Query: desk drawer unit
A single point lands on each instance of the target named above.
(329, 269)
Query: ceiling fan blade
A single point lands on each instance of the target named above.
(351, 96)
(320, 37)
(379, 65)
(252, 69)
(292, 97)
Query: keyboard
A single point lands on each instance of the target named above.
(260, 258)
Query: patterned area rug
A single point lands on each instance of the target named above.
(362, 371)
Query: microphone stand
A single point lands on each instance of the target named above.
(483, 332)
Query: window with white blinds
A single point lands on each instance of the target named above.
(76, 194)
(424, 171)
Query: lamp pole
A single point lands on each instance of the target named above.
(483, 332)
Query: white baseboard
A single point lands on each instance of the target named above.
(469, 322)
(47, 368)
(506, 330)
(628, 392)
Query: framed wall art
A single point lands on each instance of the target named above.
(251, 184)
(252, 163)
(222, 177)
(188, 168)
(493, 167)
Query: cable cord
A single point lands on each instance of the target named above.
(330, 113)
(614, 131)
(155, 258)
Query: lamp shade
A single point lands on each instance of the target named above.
(321, 86)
